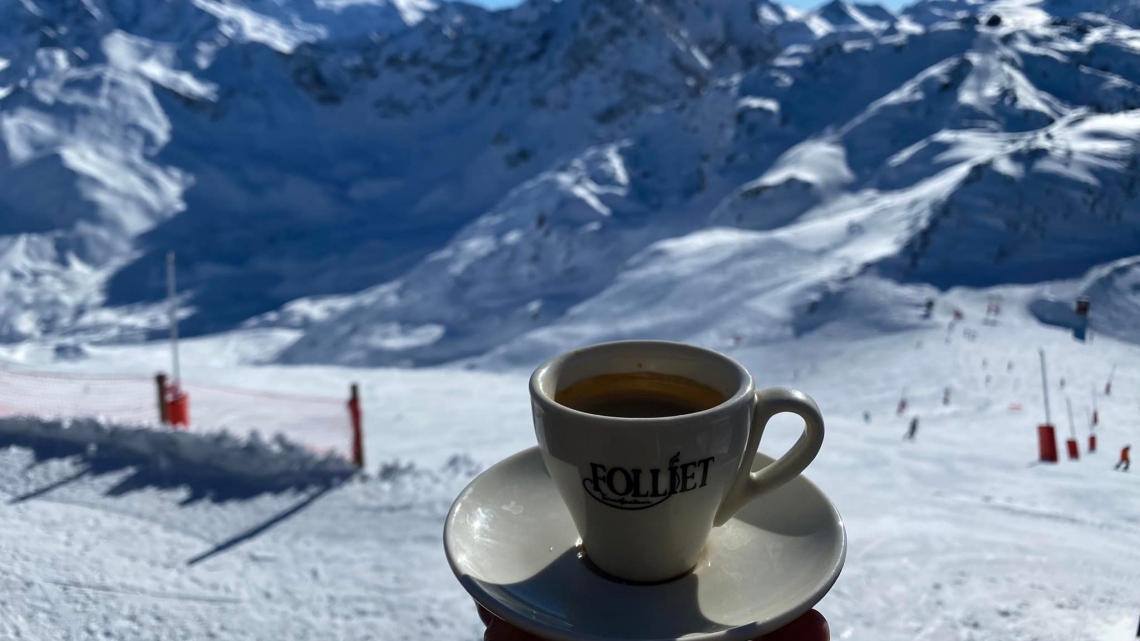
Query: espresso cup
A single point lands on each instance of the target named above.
(645, 493)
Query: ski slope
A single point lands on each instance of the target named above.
(958, 535)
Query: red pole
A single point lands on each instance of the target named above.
(357, 426)
(1046, 444)
(177, 406)
(1074, 450)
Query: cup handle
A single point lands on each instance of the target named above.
(748, 484)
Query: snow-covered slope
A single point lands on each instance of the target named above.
(953, 536)
(1114, 291)
(1024, 11)
(962, 154)
(298, 148)
(415, 184)
(92, 94)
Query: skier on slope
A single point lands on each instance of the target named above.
(1125, 459)
(912, 430)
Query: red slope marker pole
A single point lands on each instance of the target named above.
(357, 426)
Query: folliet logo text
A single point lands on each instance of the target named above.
(637, 488)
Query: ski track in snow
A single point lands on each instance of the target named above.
(958, 535)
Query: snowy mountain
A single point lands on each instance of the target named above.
(410, 184)
(1111, 288)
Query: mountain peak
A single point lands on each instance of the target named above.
(845, 15)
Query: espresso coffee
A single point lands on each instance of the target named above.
(639, 395)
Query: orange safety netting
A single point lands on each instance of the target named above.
(321, 423)
(122, 399)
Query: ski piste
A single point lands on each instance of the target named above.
(960, 532)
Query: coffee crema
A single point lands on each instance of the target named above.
(639, 395)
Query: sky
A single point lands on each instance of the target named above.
(803, 4)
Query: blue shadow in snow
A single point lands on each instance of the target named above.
(259, 529)
(208, 466)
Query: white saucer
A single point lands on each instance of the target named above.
(511, 543)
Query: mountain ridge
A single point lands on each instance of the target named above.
(432, 189)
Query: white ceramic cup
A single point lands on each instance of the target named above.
(645, 493)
